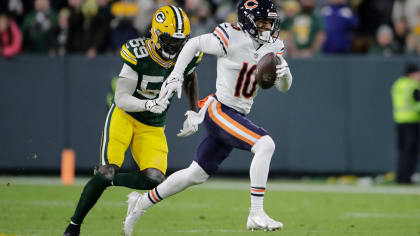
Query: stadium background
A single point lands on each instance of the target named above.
(337, 118)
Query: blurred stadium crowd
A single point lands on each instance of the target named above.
(309, 27)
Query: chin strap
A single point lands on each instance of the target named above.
(265, 36)
(164, 54)
(167, 55)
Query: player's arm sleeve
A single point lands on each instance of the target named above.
(127, 55)
(126, 86)
(205, 43)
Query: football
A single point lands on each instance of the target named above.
(266, 70)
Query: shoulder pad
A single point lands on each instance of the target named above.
(133, 50)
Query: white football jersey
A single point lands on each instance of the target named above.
(236, 85)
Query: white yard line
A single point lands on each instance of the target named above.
(305, 187)
(380, 215)
(234, 184)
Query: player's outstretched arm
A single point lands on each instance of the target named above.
(206, 43)
(124, 99)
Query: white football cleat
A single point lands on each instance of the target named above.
(260, 220)
(134, 211)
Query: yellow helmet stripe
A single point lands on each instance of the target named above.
(178, 18)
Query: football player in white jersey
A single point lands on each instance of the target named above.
(238, 47)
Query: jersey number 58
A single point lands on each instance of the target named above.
(139, 48)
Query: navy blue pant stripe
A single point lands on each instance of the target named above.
(157, 194)
(258, 187)
(150, 198)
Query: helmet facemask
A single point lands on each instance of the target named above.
(263, 30)
(170, 46)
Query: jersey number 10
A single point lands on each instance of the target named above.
(244, 81)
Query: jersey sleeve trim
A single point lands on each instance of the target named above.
(221, 43)
(223, 37)
(128, 56)
(200, 57)
(281, 52)
(223, 31)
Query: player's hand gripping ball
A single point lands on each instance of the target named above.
(266, 70)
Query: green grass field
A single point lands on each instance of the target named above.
(41, 206)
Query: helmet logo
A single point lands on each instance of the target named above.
(251, 4)
(160, 17)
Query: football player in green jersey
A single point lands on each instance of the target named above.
(138, 116)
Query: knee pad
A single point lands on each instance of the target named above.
(108, 171)
(154, 174)
(196, 174)
(264, 144)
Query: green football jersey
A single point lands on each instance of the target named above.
(152, 71)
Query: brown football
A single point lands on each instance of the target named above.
(266, 70)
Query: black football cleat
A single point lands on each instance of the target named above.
(72, 230)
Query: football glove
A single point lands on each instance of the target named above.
(282, 69)
(172, 83)
(190, 124)
(194, 119)
(283, 72)
(157, 106)
(284, 76)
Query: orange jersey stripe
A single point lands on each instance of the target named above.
(154, 196)
(257, 190)
(222, 37)
(227, 129)
(202, 101)
(235, 123)
(280, 53)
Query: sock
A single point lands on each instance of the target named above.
(152, 198)
(90, 195)
(258, 172)
(257, 199)
(135, 180)
(175, 183)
